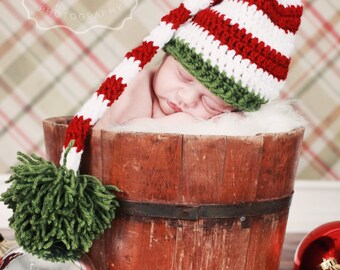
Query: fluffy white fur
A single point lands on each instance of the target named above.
(274, 117)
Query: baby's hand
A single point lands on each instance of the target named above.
(234, 114)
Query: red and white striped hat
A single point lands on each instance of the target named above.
(239, 49)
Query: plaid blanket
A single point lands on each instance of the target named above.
(54, 54)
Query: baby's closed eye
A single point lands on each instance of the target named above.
(184, 76)
(212, 106)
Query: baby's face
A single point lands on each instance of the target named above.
(178, 91)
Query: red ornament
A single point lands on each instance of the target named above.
(322, 243)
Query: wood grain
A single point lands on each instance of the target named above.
(189, 170)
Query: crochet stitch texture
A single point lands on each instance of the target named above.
(239, 49)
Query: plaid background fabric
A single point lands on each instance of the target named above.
(52, 58)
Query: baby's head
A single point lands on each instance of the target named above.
(235, 53)
(177, 90)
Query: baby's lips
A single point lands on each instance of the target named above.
(174, 106)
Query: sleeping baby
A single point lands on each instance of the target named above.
(168, 94)
(208, 70)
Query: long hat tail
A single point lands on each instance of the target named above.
(117, 81)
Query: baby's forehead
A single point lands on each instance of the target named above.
(170, 60)
(172, 63)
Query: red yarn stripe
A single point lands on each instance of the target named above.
(143, 53)
(111, 88)
(244, 44)
(177, 16)
(287, 18)
(77, 130)
(79, 127)
(215, 2)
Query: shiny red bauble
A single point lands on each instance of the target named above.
(322, 242)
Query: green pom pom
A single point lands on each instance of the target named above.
(56, 213)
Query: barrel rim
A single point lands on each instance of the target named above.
(60, 121)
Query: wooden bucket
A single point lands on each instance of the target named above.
(190, 202)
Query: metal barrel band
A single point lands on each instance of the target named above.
(207, 211)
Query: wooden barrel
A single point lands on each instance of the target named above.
(190, 202)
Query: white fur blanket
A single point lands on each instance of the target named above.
(274, 117)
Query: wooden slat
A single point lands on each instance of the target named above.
(145, 167)
(91, 162)
(279, 163)
(98, 252)
(221, 246)
(54, 135)
(202, 167)
(242, 166)
(266, 240)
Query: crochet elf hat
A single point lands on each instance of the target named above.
(239, 49)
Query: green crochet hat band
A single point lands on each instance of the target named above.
(240, 50)
(226, 88)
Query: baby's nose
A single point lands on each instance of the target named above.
(187, 97)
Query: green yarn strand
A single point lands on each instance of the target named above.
(56, 213)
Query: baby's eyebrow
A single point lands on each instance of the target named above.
(185, 73)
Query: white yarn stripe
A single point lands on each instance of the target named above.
(72, 159)
(94, 108)
(194, 5)
(127, 70)
(258, 24)
(161, 34)
(227, 61)
(287, 3)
